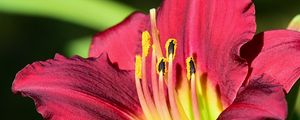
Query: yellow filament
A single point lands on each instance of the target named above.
(213, 106)
(195, 103)
(155, 33)
(184, 98)
(146, 39)
(169, 41)
(180, 108)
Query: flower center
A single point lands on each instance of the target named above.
(166, 102)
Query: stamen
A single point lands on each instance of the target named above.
(161, 66)
(146, 39)
(145, 48)
(191, 70)
(138, 67)
(138, 76)
(188, 101)
(190, 67)
(174, 104)
(155, 84)
(155, 32)
(171, 88)
(171, 46)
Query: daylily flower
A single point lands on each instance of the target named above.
(192, 59)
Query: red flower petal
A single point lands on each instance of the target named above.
(259, 100)
(78, 88)
(121, 42)
(212, 31)
(275, 53)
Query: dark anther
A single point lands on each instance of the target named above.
(192, 67)
(162, 66)
(171, 47)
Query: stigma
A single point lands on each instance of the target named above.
(165, 103)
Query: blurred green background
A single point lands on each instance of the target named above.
(34, 30)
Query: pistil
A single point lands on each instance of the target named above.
(155, 32)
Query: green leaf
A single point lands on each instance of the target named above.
(78, 47)
(297, 107)
(89, 13)
(295, 23)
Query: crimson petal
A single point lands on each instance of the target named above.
(78, 88)
(260, 100)
(213, 32)
(121, 42)
(276, 53)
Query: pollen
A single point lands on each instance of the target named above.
(171, 46)
(138, 66)
(146, 43)
(190, 67)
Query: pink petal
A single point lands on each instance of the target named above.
(121, 42)
(275, 53)
(259, 100)
(78, 88)
(213, 32)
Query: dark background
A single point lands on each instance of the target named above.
(25, 39)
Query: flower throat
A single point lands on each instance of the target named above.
(164, 102)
